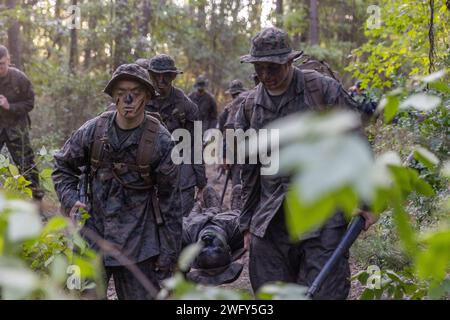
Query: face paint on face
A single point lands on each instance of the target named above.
(163, 81)
(201, 90)
(130, 99)
(272, 75)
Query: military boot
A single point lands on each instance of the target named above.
(210, 198)
(236, 199)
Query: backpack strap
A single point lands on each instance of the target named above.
(147, 147)
(180, 109)
(313, 87)
(248, 106)
(101, 127)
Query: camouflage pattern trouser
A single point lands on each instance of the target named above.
(187, 200)
(127, 286)
(235, 174)
(276, 258)
(19, 147)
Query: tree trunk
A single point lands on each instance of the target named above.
(144, 24)
(255, 15)
(122, 38)
(314, 23)
(14, 40)
(73, 54)
(58, 39)
(201, 15)
(90, 43)
(279, 12)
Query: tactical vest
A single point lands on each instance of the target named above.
(142, 165)
(179, 111)
(313, 92)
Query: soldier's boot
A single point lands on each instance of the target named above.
(210, 198)
(236, 197)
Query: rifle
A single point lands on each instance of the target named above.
(219, 174)
(353, 231)
(83, 191)
(225, 186)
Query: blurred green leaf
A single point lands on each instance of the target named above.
(421, 102)
(282, 291)
(188, 255)
(390, 104)
(24, 221)
(426, 157)
(14, 171)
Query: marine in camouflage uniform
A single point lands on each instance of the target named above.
(227, 121)
(273, 256)
(177, 112)
(16, 101)
(207, 106)
(125, 197)
(223, 241)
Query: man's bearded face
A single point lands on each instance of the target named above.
(130, 98)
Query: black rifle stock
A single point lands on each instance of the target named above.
(353, 231)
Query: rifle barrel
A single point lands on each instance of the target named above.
(355, 228)
(225, 186)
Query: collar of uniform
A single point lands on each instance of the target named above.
(113, 138)
(159, 104)
(205, 95)
(263, 99)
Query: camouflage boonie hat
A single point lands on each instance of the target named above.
(162, 63)
(201, 82)
(131, 72)
(271, 45)
(236, 86)
(142, 63)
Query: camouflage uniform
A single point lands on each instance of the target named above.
(227, 121)
(206, 104)
(223, 241)
(179, 112)
(121, 214)
(15, 123)
(273, 257)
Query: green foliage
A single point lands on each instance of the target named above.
(34, 258)
(11, 179)
(333, 170)
(399, 48)
(391, 285)
(177, 287)
(282, 291)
